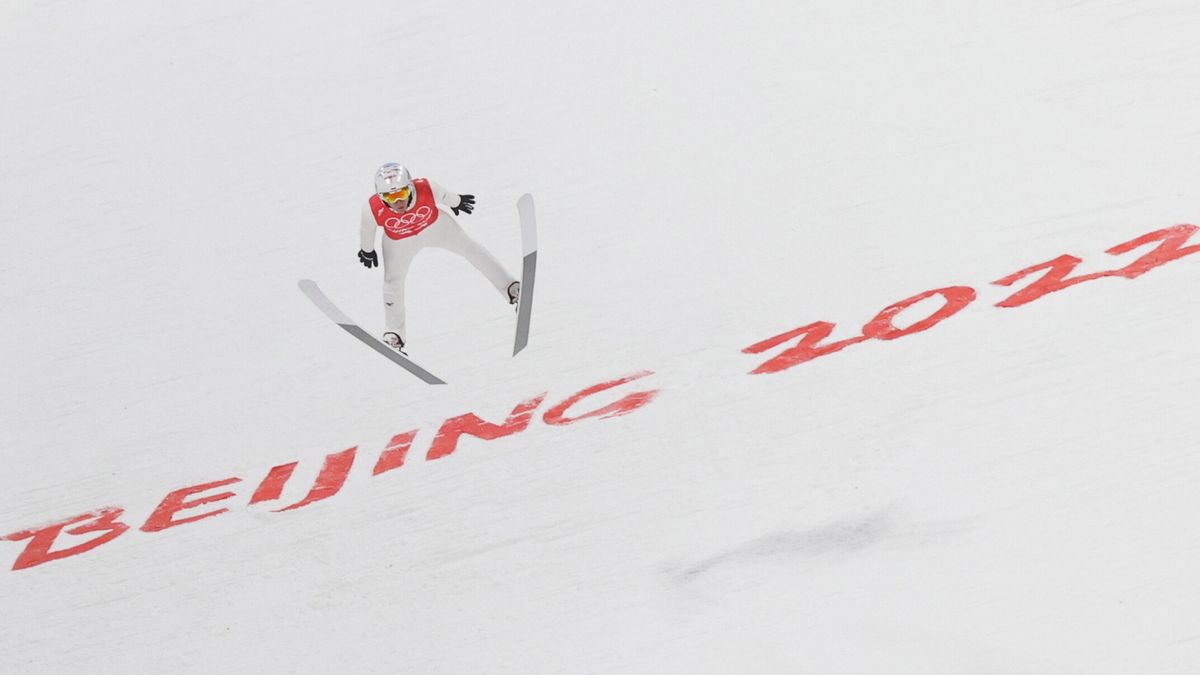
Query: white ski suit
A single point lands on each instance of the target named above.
(422, 225)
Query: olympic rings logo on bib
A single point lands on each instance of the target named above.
(410, 223)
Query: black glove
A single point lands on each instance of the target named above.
(467, 205)
(368, 260)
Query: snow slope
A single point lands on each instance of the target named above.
(1010, 491)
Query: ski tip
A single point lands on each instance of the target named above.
(306, 283)
(525, 199)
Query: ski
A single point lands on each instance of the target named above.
(314, 293)
(529, 266)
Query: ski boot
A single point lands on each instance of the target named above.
(514, 293)
(394, 341)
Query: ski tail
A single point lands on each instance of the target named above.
(323, 303)
(528, 269)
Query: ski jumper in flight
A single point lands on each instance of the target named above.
(408, 211)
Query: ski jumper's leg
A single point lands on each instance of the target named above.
(397, 257)
(448, 234)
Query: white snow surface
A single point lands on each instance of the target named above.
(1011, 491)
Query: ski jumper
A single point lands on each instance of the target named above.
(406, 233)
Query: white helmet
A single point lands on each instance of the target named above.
(394, 186)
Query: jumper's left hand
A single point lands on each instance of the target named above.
(466, 204)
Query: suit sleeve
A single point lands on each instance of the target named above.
(366, 229)
(443, 196)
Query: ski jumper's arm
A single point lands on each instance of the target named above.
(443, 196)
(366, 231)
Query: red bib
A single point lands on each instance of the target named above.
(422, 214)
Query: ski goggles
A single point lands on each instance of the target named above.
(400, 195)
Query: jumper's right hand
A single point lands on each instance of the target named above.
(466, 204)
(368, 260)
